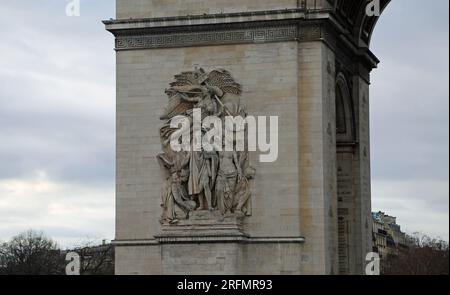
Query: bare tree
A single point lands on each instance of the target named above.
(425, 256)
(96, 260)
(31, 253)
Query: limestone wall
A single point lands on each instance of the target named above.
(317, 175)
(268, 73)
(138, 260)
(362, 173)
(295, 196)
(162, 8)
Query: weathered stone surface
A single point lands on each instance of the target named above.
(204, 226)
(163, 8)
(311, 208)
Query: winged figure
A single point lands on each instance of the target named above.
(202, 180)
(199, 89)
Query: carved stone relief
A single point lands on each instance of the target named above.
(216, 180)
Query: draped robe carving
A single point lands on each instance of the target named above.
(204, 180)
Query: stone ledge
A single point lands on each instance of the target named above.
(235, 239)
(207, 227)
(200, 239)
(276, 240)
(236, 28)
(209, 19)
(203, 226)
(143, 242)
(210, 239)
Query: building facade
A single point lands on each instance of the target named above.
(307, 62)
(388, 239)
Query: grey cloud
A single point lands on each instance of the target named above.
(57, 108)
(57, 115)
(410, 117)
(56, 93)
(410, 92)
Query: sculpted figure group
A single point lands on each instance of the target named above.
(204, 180)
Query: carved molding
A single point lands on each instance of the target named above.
(229, 34)
(211, 37)
(200, 239)
(299, 24)
(222, 35)
(236, 239)
(208, 19)
(211, 239)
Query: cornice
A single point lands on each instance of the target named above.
(237, 28)
(209, 19)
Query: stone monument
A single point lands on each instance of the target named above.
(221, 211)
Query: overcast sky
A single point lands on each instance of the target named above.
(57, 119)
